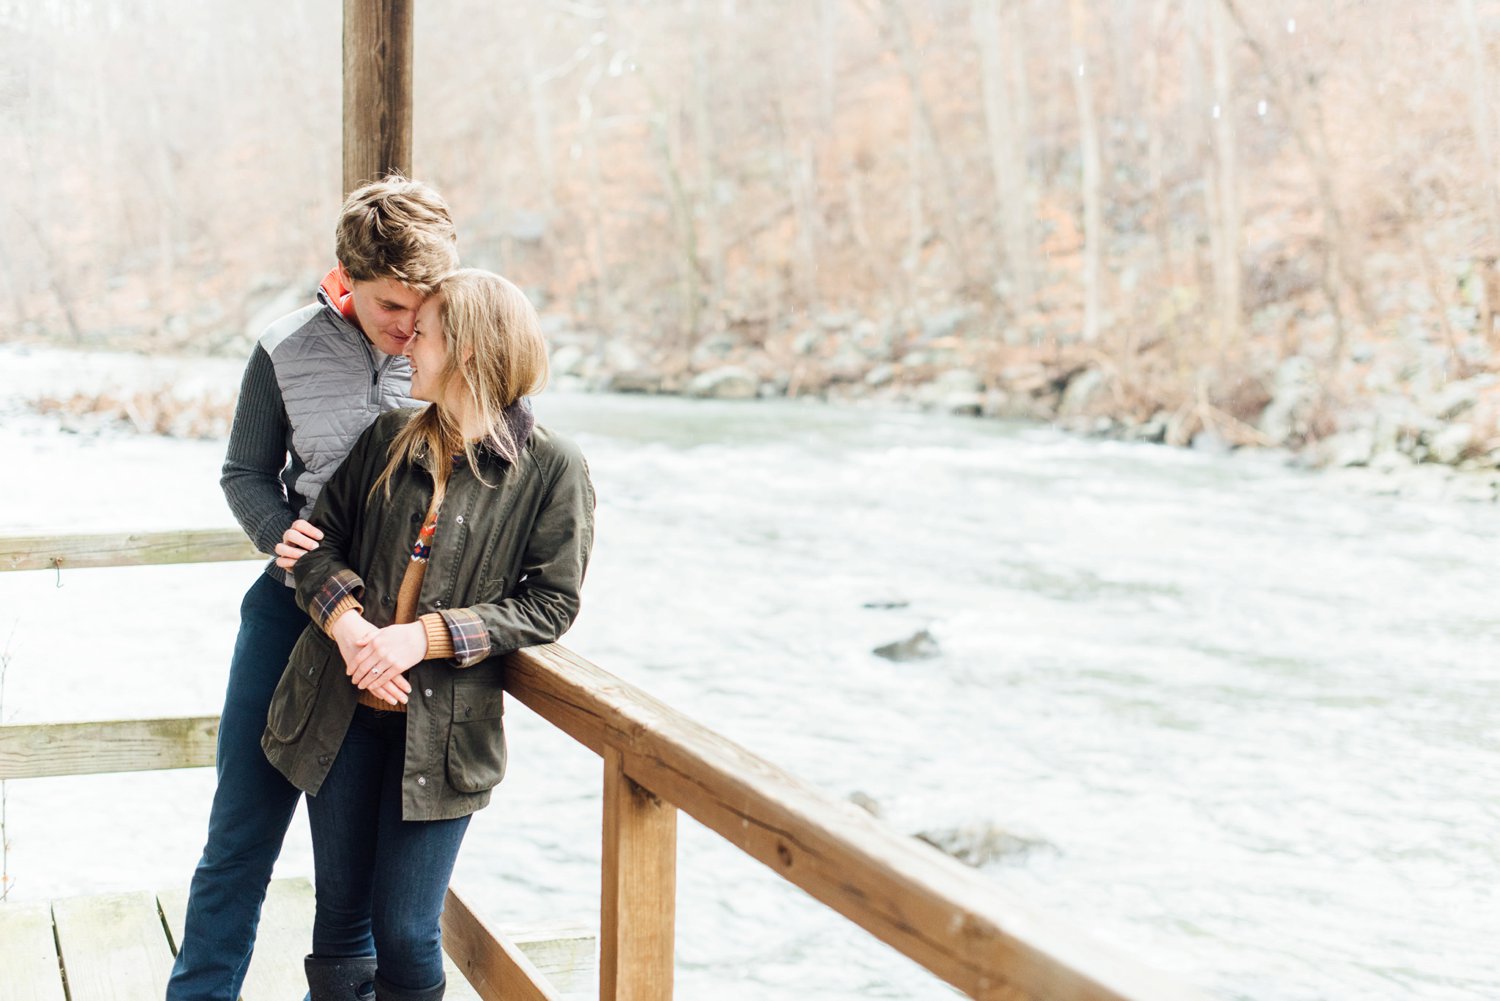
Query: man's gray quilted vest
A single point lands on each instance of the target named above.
(334, 385)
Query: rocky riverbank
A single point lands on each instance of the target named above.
(1437, 442)
(1418, 435)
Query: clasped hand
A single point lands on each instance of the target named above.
(296, 542)
(376, 659)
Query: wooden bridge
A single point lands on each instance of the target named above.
(656, 762)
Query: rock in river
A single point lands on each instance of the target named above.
(982, 843)
(918, 646)
(730, 382)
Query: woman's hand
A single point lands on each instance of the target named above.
(395, 690)
(383, 656)
(353, 633)
(301, 538)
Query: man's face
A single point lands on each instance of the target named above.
(386, 310)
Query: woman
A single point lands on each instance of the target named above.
(451, 535)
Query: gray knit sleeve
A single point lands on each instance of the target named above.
(257, 453)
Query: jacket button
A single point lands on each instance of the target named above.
(322, 759)
(459, 519)
(421, 780)
(438, 603)
(385, 599)
(427, 692)
(416, 518)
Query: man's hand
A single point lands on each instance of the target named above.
(385, 655)
(301, 538)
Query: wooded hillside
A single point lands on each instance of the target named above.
(846, 196)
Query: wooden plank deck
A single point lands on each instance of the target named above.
(121, 947)
(28, 954)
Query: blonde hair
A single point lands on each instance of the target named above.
(495, 356)
(397, 228)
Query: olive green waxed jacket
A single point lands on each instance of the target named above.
(505, 570)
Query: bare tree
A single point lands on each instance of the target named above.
(1482, 118)
(665, 124)
(1227, 230)
(541, 119)
(703, 135)
(1007, 150)
(588, 128)
(1092, 181)
(828, 60)
(1340, 262)
(898, 29)
(1156, 135)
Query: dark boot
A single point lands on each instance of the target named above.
(344, 979)
(385, 991)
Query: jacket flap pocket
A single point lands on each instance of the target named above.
(485, 700)
(297, 693)
(476, 737)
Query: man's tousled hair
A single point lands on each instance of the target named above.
(397, 228)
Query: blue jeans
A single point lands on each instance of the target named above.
(253, 806)
(380, 879)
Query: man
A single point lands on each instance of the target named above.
(316, 379)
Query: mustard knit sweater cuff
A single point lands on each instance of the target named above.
(439, 640)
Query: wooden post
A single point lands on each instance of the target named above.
(377, 89)
(639, 898)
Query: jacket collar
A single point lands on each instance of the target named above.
(337, 295)
(520, 420)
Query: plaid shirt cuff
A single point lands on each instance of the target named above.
(334, 590)
(471, 641)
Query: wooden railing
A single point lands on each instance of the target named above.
(656, 762)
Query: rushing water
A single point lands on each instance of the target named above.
(1244, 722)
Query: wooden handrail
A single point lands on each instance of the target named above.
(908, 894)
(124, 549)
(40, 750)
(490, 961)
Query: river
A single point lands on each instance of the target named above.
(1241, 722)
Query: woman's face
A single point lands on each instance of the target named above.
(428, 351)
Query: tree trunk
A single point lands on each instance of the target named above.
(911, 261)
(1479, 110)
(1156, 143)
(1007, 153)
(588, 129)
(708, 202)
(541, 122)
(1226, 187)
(1088, 140)
(809, 229)
(899, 31)
(1340, 259)
(666, 117)
(828, 53)
(1013, 27)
